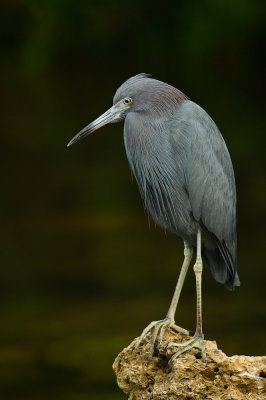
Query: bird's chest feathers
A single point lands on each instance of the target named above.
(144, 146)
(138, 135)
(150, 158)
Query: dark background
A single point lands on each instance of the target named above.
(82, 273)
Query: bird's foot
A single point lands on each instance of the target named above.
(159, 328)
(195, 342)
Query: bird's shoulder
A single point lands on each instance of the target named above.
(199, 138)
(193, 121)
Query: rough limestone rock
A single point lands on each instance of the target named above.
(188, 378)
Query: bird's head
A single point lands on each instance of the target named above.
(139, 94)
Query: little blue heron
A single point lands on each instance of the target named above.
(186, 180)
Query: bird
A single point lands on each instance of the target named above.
(186, 180)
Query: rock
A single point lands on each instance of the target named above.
(188, 378)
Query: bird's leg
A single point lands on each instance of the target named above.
(197, 340)
(169, 321)
(170, 316)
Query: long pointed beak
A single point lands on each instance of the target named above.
(109, 116)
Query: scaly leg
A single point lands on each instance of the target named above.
(197, 340)
(169, 321)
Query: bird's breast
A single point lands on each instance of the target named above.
(152, 162)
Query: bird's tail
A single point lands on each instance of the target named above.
(222, 265)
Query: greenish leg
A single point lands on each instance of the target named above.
(169, 321)
(197, 340)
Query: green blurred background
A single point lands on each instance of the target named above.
(82, 272)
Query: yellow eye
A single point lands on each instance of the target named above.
(127, 100)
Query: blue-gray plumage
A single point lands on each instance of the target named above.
(185, 177)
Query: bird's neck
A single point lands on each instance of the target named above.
(141, 130)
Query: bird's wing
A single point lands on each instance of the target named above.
(209, 177)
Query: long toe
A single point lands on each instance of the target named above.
(195, 342)
(159, 328)
(177, 328)
(146, 332)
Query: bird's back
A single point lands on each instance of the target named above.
(186, 180)
(210, 183)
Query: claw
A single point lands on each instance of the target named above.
(166, 346)
(148, 360)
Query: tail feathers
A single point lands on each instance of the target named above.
(222, 265)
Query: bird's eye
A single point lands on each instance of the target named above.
(127, 100)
